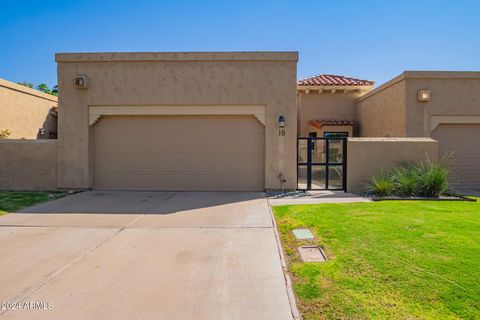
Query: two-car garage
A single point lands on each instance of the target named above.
(176, 121)
(152, 152)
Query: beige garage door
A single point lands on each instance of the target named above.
(464, 142)
(179, 153)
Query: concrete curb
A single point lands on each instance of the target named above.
(288, 281)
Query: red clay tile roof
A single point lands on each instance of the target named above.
(333, 80)
(320, 123)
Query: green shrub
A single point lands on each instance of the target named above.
(433, 179)
(381, 185)
(405, 181)
(420, 179)
(5, 133)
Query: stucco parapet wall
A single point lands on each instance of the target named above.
(367, 157)
(441, 74)
(177, 56)
(390, 139)
(19, 88)
(28, 164)
(422, 75)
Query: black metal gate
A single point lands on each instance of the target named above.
(321, 163)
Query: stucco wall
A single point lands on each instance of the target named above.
(195, 79)
(24, 111)
(381, 112)
(28, 164)
(325, 106)
(393, 109)
(452, 94)
(368, 156)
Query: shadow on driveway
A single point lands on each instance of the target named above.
(140, 202)
(148, 210)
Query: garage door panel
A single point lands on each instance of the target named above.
(182, 182)
(187, 161)
(170, 125)
(179, 153)
(462, 144)
(463, 147)
(179, 143)
(470, 163)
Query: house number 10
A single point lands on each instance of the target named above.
(281, 132)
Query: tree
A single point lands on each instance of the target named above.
(41, 87)
(44, 88)
(26, 84)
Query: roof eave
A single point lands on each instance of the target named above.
(344, 88)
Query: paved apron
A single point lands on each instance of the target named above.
(143, 255)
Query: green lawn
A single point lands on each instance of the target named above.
(388, 260)
(11, 201)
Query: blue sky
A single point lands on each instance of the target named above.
(374, 40)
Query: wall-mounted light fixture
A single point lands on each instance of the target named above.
(80, 82)
(281, 121)
(423, 95)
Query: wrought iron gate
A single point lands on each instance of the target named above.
(321, 163)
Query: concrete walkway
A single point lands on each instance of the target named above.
(144, 255)
(318, 197)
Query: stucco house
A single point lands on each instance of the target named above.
(326, 101)
(441, 105)
(238, 121)
(27, 113)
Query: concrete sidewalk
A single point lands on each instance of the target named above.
(316, 197)
(144, 255)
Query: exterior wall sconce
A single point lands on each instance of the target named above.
(80, 82)
(423, 95)
(281, 126)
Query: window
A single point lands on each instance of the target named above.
(335, 145)
(335, 134)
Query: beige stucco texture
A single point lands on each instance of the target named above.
(381, 112)
(197, 80)
(28, 165)
(23, 111)
(454, 95)
(369, 156)
(393, 109)
(325, 106)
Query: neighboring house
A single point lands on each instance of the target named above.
(328, 103)
(27, 113)
(238, 121)
(438, 104)
(442, 105)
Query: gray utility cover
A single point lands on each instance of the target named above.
(303, 234)
(311, 254)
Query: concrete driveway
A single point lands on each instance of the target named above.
(144, 255)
